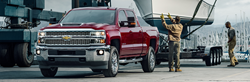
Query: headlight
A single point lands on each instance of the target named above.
(41, 33)
(97, 33)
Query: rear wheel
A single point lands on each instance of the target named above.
(113, 63)
(148, 62)
(22, 56)
(51, 72)
(6, 56)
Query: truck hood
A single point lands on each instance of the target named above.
(81, 26)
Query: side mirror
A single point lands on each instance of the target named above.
(52, 20)
(129, 23)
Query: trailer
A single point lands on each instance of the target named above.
(17, 38)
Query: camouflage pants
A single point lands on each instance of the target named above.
(174, 52)
(231, 53)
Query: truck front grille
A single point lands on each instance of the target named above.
(71, 42)
(68, 33)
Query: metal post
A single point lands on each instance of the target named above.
(244, 29)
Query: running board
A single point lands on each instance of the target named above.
(130, 60)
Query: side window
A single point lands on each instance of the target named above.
(122, 16)
(131, 14)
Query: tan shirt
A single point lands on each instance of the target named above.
(174, 31)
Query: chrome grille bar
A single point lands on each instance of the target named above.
(71, 42)
(67, 33)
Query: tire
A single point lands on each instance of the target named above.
(51, 72)
(6, 55)
(213, 57)
(216, 56)
(209, 59)
(113, 63)
(220, 54)
(148, 62)
(22, 56)
(96, 70)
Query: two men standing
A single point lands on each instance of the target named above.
(231, 42)
(174, 33)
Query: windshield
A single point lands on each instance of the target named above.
(90, 16)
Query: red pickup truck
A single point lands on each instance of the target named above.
(100, 38)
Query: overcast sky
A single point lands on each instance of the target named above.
(225, 10)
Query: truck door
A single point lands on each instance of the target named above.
(126, 34)
(137, 35)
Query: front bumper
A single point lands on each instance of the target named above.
(90, 59)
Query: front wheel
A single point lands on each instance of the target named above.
(148, 62)
(51, 72)
(113, 63)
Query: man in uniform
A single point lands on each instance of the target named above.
(174, 33)
(231, 42)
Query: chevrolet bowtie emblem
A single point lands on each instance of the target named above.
(66, 38)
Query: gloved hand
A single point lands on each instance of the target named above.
(169, 16)
(162, 18)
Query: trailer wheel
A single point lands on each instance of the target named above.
(148, 62)
(113, 63)
(51, 72)
(214, 57)
(22, 56)
(220, 54)
(6, 57)
(216, 61)
(209, 59)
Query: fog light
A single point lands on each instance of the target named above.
(100, 52)
(42, 40)
(102, 41)
(38, 52)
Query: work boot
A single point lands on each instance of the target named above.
(236, 63)
(230, 65)
(171, 70)
(178, 70)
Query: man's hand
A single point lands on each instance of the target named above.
(162, 18)
(169, 16)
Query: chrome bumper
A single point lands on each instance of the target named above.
(89, 59)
